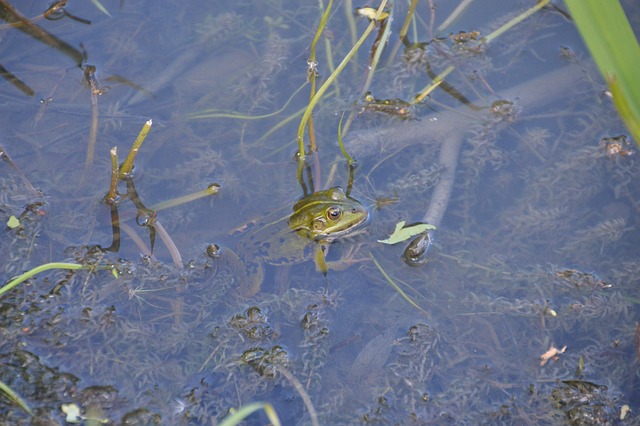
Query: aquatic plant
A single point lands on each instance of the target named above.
(615, 49)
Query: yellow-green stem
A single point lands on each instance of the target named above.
(112, 195)
(331, 79)
(497, 33)
(346, 155)
(47, 266)
(127, 166)
(15, 397)
(237, 416)
(210, 190)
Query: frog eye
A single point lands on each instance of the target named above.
(334, 213)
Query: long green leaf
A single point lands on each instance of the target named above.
(47, 266)
(605, 29)
(15, 397)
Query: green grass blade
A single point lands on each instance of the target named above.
(607, 33)
(55, 265)
(397, 288)
(15, 397)
(246, 410)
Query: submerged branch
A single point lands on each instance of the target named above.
(9, 14)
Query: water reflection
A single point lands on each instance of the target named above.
(535, 245)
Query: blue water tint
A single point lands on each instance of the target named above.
(536, 246)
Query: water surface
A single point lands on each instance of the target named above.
(537, 247)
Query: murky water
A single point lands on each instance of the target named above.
(537, 246)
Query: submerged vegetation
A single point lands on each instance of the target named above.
(615, 49)
(270, 302)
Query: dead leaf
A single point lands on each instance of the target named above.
(553, 352)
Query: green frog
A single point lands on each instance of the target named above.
(316, 221)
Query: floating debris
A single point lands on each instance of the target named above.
(617, 145)
(394, 107)
(553, 352)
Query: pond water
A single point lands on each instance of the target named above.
(537, 218)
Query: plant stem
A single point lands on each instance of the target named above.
(127, 166)
(331, 79)
(55, 265)
(112, 195)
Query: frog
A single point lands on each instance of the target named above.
(317, 220)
